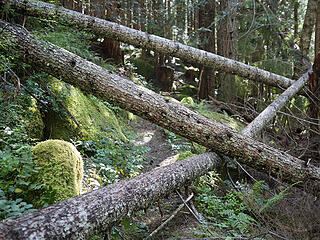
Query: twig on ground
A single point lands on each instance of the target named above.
(170, 218)
(193, 213)
(190, 210)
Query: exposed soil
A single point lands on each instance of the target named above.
(161, 154)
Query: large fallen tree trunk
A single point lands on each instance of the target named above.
(157, 109)
(94, 212)
(144, 40)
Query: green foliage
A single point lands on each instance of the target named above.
(16, 162)
(227, 213)
(11, 208)
(257, 199)
(143, 67)
(70, 39)
(187, 90)
(108, 161)
(73, 40)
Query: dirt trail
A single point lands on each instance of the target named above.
(161, 154)
(153, 137)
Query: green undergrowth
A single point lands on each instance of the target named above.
(108, 161)
(16, 162)
(184, 147)
(74, 40)
(45, 108)
(224, 213)
(235, 211)
(204, 109)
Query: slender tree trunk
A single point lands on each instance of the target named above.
(207, 36)
(296, 20)
(308, 26)
(155, 108)
(143, 22)
(227, 46)
(317, 32)
(305, 39)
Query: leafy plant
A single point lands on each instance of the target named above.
(226, 213)
(16, 163)
(108, 160)
(11, 208)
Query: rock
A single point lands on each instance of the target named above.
(95, 118)
(61, 172)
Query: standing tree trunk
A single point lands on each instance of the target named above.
(308, 26)
(314, 86)
(111, 48)
(317, 32)
(227, 46)
(143, 23)
(303, 60)
(207, 36)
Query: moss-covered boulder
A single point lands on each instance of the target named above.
(61, 172)
(95, 119)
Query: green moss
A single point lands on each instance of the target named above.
(187, 90)
(222, 118)
(96, 120)
(188, 101)
(34, 121)
(61, 171)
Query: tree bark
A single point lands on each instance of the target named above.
(94, 212)
(207, 13)
(144, 40)
(227, 46)
(305, 38)
(308, 26)
(259, 122)
(157, 109)
(317, 32)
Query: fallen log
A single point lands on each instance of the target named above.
(144, 40)
(95, 212)
(147, 104)
(269, 112)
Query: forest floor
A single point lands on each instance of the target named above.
(162, 154)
